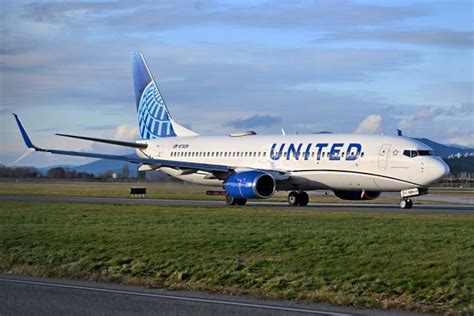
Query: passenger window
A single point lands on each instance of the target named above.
(361, 155)
(264, 153)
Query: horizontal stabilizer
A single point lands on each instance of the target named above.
(107, 141)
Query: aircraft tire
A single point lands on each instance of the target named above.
(406, 204)
(240, 202)
(229, 200)
(303, 198)
(293, 198)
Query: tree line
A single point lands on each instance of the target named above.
(32, 172)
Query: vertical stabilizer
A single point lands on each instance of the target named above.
(154, 119)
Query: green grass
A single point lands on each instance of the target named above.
(407, 261)
(104, 189)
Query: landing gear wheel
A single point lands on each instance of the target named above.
(293, 198)
(240, 202)
(406, 204)
(230, 200)
(303, 198)
(298, 198)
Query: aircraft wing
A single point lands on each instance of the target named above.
(126, 158)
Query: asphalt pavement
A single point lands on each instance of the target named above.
(20, 295)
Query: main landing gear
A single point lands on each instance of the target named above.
(406, 204)
(298, 198)
(229, 200)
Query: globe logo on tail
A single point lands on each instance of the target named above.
(153, 117)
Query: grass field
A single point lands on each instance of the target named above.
(407, 261)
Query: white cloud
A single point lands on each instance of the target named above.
(428, 113)
(463, 140)
(405, 124)
(371, 124)
(126, 132)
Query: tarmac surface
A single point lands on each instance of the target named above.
(356, 207)
(22, 295)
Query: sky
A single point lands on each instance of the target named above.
(224, 66)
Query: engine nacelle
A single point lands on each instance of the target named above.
(250, 185)
(357, 195)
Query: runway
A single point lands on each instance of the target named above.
(347, 207)
(45, 296)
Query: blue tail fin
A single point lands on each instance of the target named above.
(153, 117)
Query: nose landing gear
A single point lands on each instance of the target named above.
(406, 204)
(298, 198)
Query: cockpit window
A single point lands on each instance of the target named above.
(414, 153)
(425, 152)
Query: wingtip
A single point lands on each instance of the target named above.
(25, 136)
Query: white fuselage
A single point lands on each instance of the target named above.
(308, 162)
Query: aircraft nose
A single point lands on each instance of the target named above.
(438, 170)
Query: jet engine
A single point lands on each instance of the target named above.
(250, 185)
(357, 195)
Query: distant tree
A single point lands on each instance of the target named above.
(84, 175)
(18, 172)
(462, 164)
(56, 173)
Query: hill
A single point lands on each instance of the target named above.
(444, 150)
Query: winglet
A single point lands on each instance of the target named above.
(399, 132)
(26, 139)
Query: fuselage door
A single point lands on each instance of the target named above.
(383, 156)
(264, 158)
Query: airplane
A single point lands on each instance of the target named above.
(250, 166)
